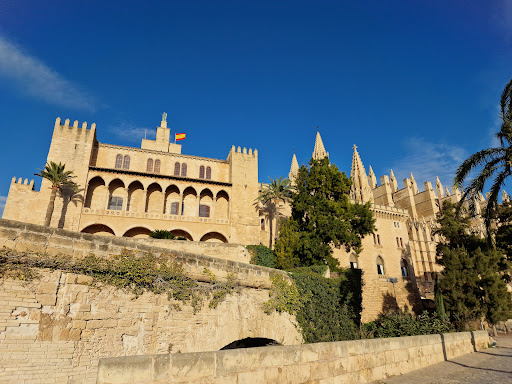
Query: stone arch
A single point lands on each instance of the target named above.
(135, 197)
(137, 232)
(182, 233)
(155, 199)
(116, 194)
(98, 229)
(222, 205)
(172, 196)
(206, 203)
(251, 342)
(214, 237)
(96, 193)
(189, 202)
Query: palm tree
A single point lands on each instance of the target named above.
(60, 178)
(270, 196)
(495, 164)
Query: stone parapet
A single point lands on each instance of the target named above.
(229, 258)
(359, 361)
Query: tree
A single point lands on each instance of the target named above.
(60, 178)
(494, 163)
(271, 196)
(323, 217)
(472, 281)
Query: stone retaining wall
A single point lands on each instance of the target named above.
(56, 328)
(360, 361)
(36, 238)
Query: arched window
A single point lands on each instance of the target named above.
(176, 169)
(353, 261)
(208, 173)
(262, 224)
(126, 163)
(380, 266)
(157, 166)
(183, 169)
(149, 167)
(403, 267)
(119, 161)
(201, 172)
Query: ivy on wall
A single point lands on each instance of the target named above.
(325, 309)
(129, 271)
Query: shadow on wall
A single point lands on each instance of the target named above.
(389, 303)
(250, 342)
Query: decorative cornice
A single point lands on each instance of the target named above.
(122, 147)
(159, 176)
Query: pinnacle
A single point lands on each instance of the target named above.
(319, 151)
(294, 168)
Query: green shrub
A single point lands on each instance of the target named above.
(261, 255)
(161, 234)
(405, 323)
(325, 309)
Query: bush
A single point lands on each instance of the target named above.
(261, 255)
(404, 323)
(161, 234)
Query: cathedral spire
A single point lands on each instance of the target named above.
(294, 169)
(360, 190)
(372, 178)
(319, 151)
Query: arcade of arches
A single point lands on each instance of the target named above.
(167, 201)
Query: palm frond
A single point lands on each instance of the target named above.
(474, 161)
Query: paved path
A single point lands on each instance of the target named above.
(493, 365)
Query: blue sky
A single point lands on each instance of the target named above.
(415, 84)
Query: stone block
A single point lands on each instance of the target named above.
(162, 367)
(251, 377)
(47, 299)
(125, 370)
(193, 365)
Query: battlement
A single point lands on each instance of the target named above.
(75, 126)
(243, 152)
(20, 183)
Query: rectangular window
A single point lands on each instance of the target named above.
(204, 211)
(401, 243)
(378, 239)
(397, 243)
(115, 203)
(380, 269)
(175, 208)
(353, 265)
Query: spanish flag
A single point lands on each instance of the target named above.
(179, 136)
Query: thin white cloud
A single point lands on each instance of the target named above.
(426, 160)
(131, 132)
(3, 199)
(31, 76)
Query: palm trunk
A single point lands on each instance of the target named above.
(51, 205)
(277, 220)
(271, 232)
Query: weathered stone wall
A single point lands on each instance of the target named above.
(358, 361)
(35, 238)
(55, 329)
